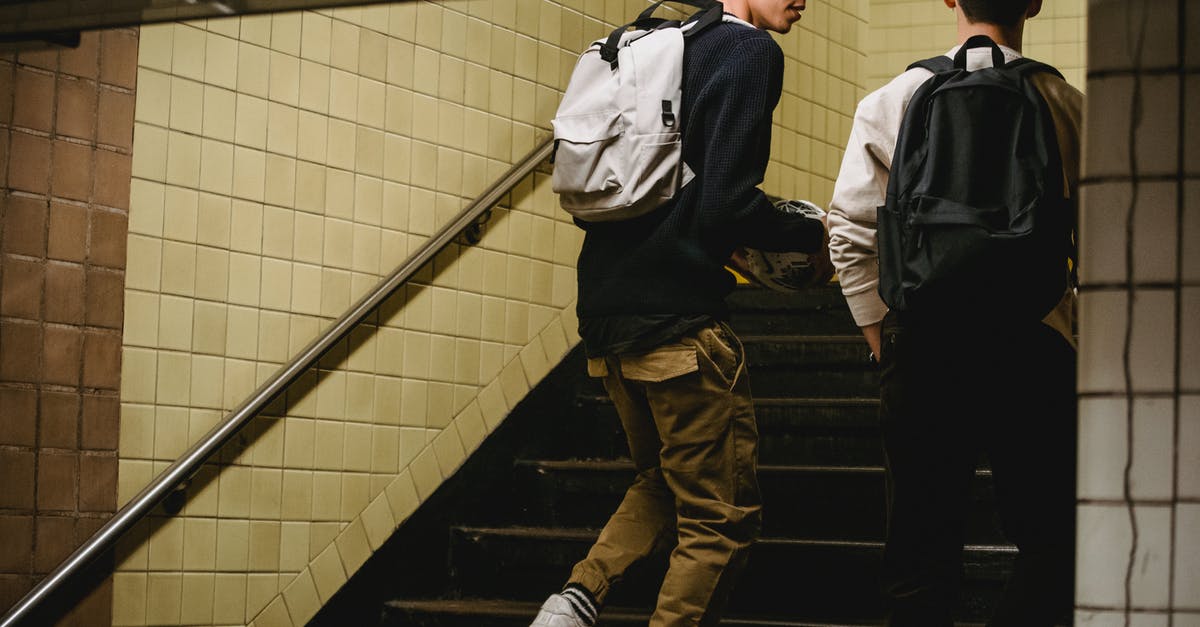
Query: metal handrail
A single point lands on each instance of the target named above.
(187, 465)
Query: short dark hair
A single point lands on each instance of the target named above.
(999, 12)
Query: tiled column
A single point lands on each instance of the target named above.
(66, 129)
(1139, 377)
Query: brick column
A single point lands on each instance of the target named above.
(66, 129)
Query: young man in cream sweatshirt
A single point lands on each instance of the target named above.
(953, 388)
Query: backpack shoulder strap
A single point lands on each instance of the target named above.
(937, 65)
(1028, 67)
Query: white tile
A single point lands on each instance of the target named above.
(1191, 225)
(1102, 212)
(1103, 425)
(1108, 106)
(1187, 556)
(1158, 131)
(1189, 447)
(1189, 339)
(1186, 619)
(1104, 540)
(1102, 338)
(1116, 618)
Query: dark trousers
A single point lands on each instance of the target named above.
(949, 394)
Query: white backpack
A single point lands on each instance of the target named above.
(617, 148)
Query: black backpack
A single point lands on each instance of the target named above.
(976, 225)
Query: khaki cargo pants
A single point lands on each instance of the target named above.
(688, 415)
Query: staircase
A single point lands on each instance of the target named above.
(505, 531)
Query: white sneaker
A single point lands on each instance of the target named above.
(558, 611)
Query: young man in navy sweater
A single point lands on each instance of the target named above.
(652, 317)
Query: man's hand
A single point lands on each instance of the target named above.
(821, 264)
(873, 333)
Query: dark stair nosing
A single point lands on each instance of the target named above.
(626, 465)
(503, 608)
(579, 533)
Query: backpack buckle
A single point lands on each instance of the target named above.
(668, 118)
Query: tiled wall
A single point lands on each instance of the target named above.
(1139, 376)
(282, 164)
(903, 31)
(66, 127)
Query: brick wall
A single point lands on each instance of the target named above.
(66, 130)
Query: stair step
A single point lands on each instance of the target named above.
(790, 430)
(820, 310)
(831, 580)
(505, 613)
(844, 502)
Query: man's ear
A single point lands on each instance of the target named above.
(1035, 7)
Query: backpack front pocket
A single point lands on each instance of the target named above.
(583, 163)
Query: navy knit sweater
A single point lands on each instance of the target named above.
(670, 262)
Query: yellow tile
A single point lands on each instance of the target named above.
(261, 589)
(284, 78)
(503, 53)
(245, 278)
(166, 544)
(500, 93)
(327, 573)
(400, 56)
(314, 88)
(426, 64)
(196, 607)
(385, 448)
(315, 37)
(187, 99)
(249, 175)
(397, 162)
(241, 332)
(343, 95)
(357, 447)
(394, 250)
(301, 598)
(516, 323)
(187, 58)
(251, 121)
(454, 33)
(448, 448)
(282, 129)
(366, 249)
(213, 282)
(402, 496)
(129, 598)
(339, 243)
(344, 48)
(441, 404)
(414, 403)
(233, 536)
(285, 32)
(339, 194)
(449, 172)
(264, 536)
(513, 383)
(423, 174)
(234, 495)
(139, 368)
(150, 151)
(476, 86)
(471, 427)
(153, 103)
(372, 54)
(310, 187)
(306, 287)
(229, 590)
(371, 103)
(298, 447)
(297, 494)
(378, 522)
(327, 493)
(278, 227)
(220, 114)
(280, 180)
(216, 167)
(398, 112)
(253, 73)
(266, 485)
(183, 160)
(425, 472)
(451, 74)
(341, 150)
(163, 595)
(256, 29)
(240, 381)
(294, 542)
(353, 547)
(155, 46)
(178, 268)
(199, 544)
(175, 323)
(331, 434)
(141, 319)
(466, 361)
(369, 151)
(402, 20)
